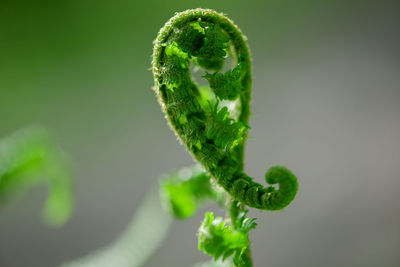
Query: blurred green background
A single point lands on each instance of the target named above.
(326, 103)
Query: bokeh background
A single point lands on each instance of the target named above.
(326, 103)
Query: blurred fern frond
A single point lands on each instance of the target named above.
(29, 157)
(184, 191)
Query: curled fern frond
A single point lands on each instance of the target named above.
(28, 157)
(213, 121)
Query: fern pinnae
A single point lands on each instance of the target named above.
(203, 37)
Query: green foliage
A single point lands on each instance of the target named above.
(214, 49)
(226, 86)
(212, 122)
(218, 239)
(29, 157)
(184, 191)
(214, 138)
(225, 132)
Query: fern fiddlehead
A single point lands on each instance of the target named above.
(212, 121)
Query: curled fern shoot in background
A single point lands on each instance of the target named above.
(212, 122)
(29, 157)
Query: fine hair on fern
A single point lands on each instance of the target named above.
(212, 122)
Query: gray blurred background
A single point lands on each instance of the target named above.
(326, 103)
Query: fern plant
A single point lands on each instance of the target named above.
(212, 122)
(28, 157)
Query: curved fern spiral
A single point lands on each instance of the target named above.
(212, 121)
